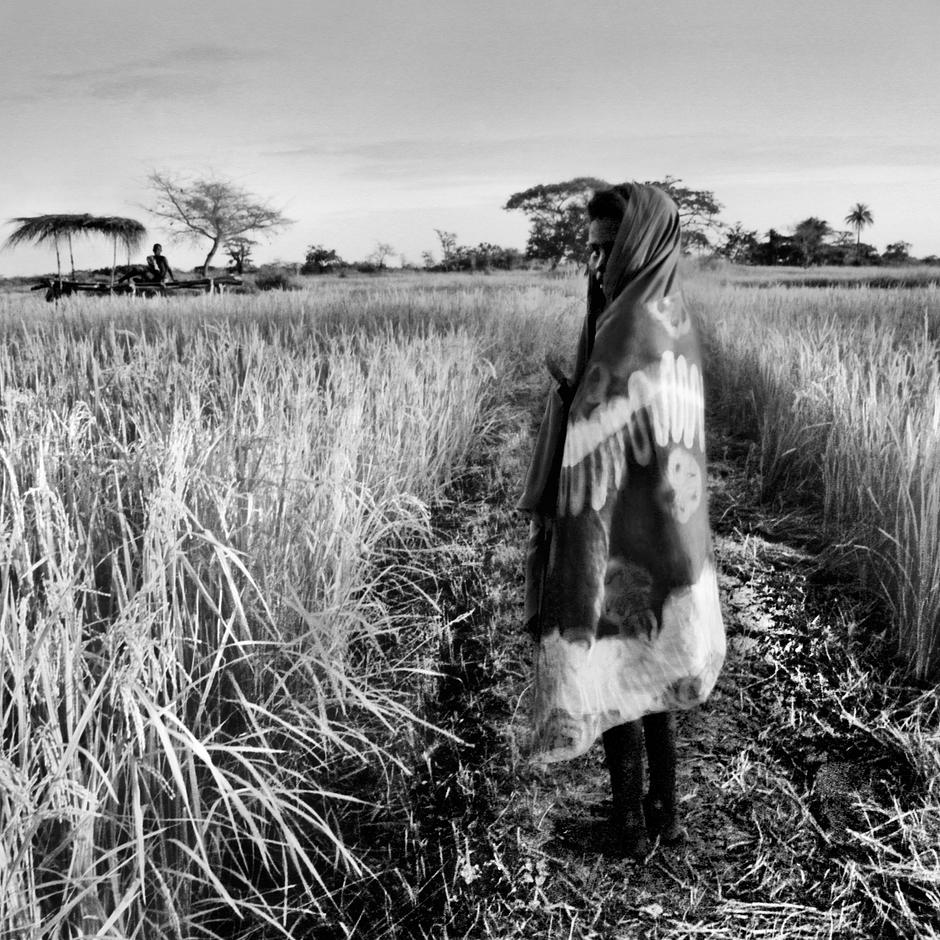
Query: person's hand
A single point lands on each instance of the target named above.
(558, 374)
(532, 628)
(554, 366)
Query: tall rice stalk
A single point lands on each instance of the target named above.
(842, 390)
(195, 518)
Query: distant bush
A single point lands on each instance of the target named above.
(212, 271)
(320, 260)
(274, 277)
(119, 271)
(482, 257)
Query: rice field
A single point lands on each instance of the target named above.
(840, 388)
(218, 600)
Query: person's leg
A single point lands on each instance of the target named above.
(659, 805)
(623, 746)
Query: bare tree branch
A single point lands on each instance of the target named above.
(215, 209)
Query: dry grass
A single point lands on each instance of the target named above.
(249, 548)
(911, 275)
(203, 509)
(841, 390)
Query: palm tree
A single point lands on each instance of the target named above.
(858, 218)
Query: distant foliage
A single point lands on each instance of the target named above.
(557, 218)
(276, 277)
(897, 253)
(559, 221)
(383, 250)
(448, 242)
(239, 250)
(698, 213)
(812, 243)
(740, 245)
(320, 260)
(484, 256)
(809, 237)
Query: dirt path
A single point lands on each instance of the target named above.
(768, 766)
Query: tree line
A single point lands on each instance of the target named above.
(558, 228)
(232, 219)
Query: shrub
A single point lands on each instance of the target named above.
(274, 277)
(320, 260)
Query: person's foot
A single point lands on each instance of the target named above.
(633, 839)
(662, 822)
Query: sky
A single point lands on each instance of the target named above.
(369, 121)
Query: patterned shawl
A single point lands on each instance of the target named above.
(620, 582)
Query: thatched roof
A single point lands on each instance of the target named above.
(128, 231)
(46, 228)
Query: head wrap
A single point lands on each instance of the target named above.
(621, 586)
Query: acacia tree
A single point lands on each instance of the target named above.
(558, 221)
(214, 209)
(239, 250)
(382, 251)
(698, 211)
(448, 242)
(859, 217)
(320, 260)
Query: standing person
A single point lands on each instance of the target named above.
(158, 266)
(621, 593)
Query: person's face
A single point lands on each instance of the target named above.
(601, 236)
(157, 250)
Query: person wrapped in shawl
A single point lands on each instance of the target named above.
(621, 592)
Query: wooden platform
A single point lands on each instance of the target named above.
(136, 287)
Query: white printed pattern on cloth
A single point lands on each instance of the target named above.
(594, 458)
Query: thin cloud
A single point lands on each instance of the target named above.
(174, 84)
(717, 156)
(419, 160)
(179, 72)
(212, 54)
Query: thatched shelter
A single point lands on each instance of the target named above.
(39, 229)
(129, 232)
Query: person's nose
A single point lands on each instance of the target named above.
(600, 262)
